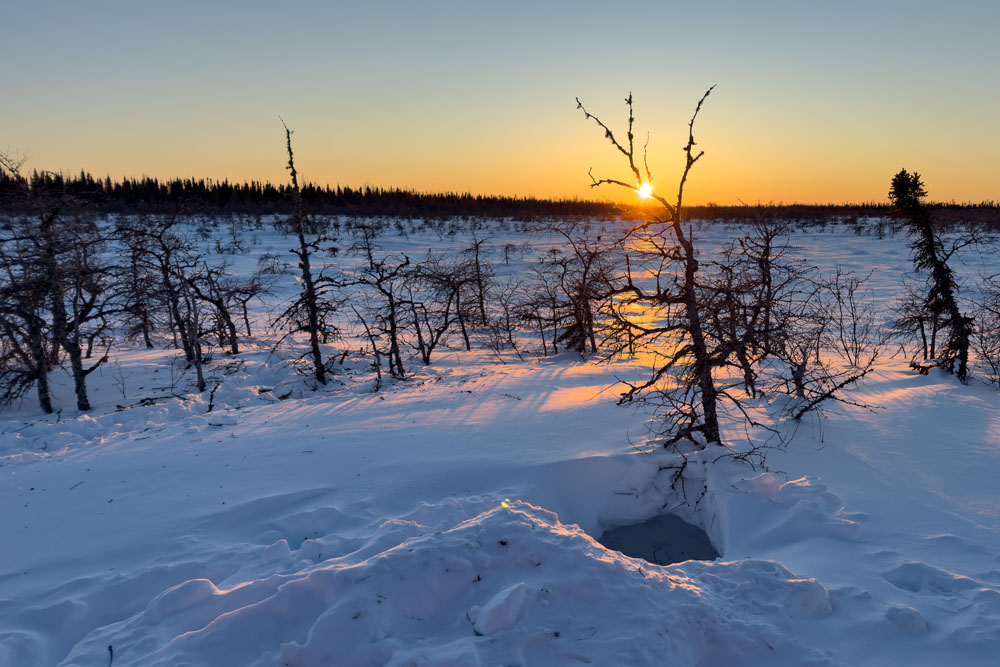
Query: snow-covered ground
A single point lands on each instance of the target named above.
(450, 519)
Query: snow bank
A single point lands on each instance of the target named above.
(512, 585)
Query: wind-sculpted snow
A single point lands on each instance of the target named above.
(795, 510)
(511, 585)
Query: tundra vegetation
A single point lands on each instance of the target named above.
(750, 332)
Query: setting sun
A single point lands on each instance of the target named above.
(645, 190)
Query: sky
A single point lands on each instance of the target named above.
(816, 102)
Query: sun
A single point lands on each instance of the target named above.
(645, 191)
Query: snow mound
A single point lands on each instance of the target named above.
(923, 578)
(511, 585)
(783, 513)
(907, 618)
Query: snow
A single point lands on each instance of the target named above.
(451, 518)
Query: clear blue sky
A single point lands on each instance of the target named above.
(815, 101)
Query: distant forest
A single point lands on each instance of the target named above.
(210, 197)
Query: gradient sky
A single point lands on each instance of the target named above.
(816, 101)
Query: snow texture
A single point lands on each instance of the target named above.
(449, 519)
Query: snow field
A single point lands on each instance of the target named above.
(449, 520)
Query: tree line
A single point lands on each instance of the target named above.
(212, 197)
(148, 195)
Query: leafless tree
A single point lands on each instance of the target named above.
(833, 340)
(582, 271)
(242, 292)
(432, 294)
(376, 352)
(383, 278)
(482, 278)
(191, 319)
(137, 287)
(504, 321)
(225, 293)
(161, 249)
(755, 320)
(53, 260)
(911, 324)
(986, 340)
(24, 353)
(856, 324)
(682, 384)
(311, 312)
(451, 283)
(542, 304)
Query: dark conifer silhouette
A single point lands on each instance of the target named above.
(939, 304)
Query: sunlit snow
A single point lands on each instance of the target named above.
(450, 519)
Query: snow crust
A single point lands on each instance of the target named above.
(448, 520)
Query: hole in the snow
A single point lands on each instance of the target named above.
(663, 540)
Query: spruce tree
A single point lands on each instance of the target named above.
(907, 193)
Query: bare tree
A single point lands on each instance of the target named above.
(376, 352)
(911, 324)
(384, 278)
(482, 278)
(191, 318)
(855, 321)
(504, 321)
(161, 249)
(55, 262)
(459, 277)
(24, 352)
(755, 320)
(91, 300)
(311, 311)
(666, 251)
(137, 286)
(432, 294)
(257, 286)
(832, 340)
(583, 275)
(986, 341)
(214, 286)
(543, 305)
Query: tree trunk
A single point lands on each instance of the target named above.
(312, 308)
(309, 295)
(36, 343)
(702, 366)
(60, 321)
(461, 319)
